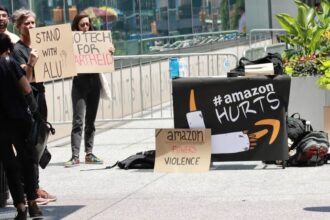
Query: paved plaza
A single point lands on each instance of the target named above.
(230, 190)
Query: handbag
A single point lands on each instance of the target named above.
(45, 158)
(105, 91)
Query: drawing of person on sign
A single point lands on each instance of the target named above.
(86, 91)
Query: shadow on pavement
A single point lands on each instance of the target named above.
(318, 209)
(233, 167)
(49, 212)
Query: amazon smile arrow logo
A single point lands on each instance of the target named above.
(274, 123)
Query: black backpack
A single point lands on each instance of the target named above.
(274, 58)
(297, 127)
(311, 148)
(140, 160)
(308, 147)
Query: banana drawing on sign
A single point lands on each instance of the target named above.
(232, 142)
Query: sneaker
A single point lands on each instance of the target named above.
(45, 195)
(92, 159)
(72, 162)
(41, 201)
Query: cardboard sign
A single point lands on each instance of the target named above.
(326, 119)
(56, 59)
(183, 150)
(246, 114)
(91, 51)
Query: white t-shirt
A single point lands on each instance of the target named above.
(242, 24)
(13, 37)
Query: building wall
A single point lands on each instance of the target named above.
(257, 14)
(277, 7)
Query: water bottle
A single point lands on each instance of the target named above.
(308, 126)
(174, 67)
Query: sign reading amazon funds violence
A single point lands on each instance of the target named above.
(55, 52)
(91, 50)
(183, 150)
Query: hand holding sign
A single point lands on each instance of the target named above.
(33, 58)
(112, 49)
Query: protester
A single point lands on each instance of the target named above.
(4, 19)
(85, 100)
(15, 123)
(27, 57)
(242, 20)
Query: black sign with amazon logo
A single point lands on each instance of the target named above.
(246, 114)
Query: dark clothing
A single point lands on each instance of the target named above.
(21, 54)
(16, 108)
(85, 102)
(20, 166)
(15, 123)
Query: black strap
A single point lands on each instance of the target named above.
(112, 166)
(299, 138)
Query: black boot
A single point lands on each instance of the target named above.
(21, 214)
(34, 210)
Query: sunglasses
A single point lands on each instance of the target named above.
(29, 22)
(84, 24)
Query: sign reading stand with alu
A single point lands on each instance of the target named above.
(56, 59)
(183, 150)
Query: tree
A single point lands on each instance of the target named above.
(224, 15)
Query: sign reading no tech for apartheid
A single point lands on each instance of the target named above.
(56, 59)
(91, 50)
(183, 150)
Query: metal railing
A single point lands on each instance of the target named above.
(266, 36)
(168, 44)
(140, 86)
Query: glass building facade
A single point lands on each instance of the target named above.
(132, 21)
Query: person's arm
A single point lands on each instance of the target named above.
(26, 63)
(28, 67)
(28, 94)
(25, 87)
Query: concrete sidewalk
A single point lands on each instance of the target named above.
(230, 190)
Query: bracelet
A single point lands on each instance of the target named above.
(29, 65)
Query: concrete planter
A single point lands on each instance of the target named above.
(308, 100)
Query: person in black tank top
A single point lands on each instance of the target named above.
(27, 58)
(16, 104)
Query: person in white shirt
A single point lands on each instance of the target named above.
(242, 20)
(4, 20)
